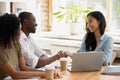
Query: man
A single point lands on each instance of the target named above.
(34, 57)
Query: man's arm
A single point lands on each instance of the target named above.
(44, 60)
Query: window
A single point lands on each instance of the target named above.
(115, 17)
(107, 7)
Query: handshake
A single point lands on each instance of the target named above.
(62, 53)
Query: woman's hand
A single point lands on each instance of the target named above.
(68, 53)
(57, 75)
(64, 54)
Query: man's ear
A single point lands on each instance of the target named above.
(26, 21)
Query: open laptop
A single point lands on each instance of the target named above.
(86, 61)
(111, 70)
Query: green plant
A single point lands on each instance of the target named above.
(118, 9)
(71, 14)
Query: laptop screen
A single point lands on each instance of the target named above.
(87, 61)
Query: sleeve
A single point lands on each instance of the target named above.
(108, 50)
(39, 52)
(30, 58)
(18, 47)
(3, 56)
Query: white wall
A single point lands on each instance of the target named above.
(2, 7)
(19, 5)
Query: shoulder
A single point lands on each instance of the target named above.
(84, 37)
(2, 50)
(17, 43)
(106, 38)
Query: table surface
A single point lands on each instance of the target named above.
(94, 75)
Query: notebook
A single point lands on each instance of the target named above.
(86, 61)
(112, 70)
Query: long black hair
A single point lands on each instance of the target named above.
(90, 37)
(9, 26)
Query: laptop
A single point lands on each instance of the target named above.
(86, 61)
(112, 70)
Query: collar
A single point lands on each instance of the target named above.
(23, 35)
(103, 36)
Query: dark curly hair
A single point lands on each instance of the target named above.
(90, 38)
(9, 26)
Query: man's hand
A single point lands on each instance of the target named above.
(61, 54)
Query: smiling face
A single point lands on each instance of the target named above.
(31, 27)
(93, 24)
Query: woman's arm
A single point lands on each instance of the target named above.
(108, 51)
(10, 70)
(26, 72)
(23, 66)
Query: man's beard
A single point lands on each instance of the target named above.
(33, 31)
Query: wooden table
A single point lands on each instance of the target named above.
(91, 76)
(95, 75)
